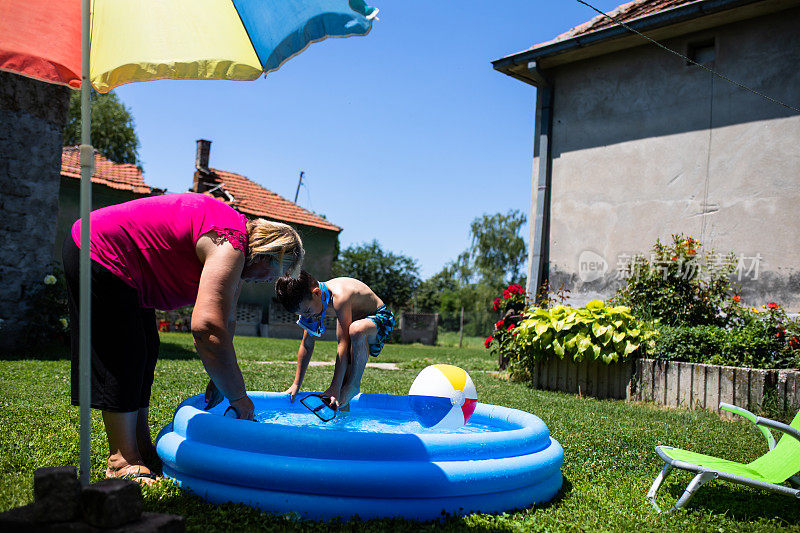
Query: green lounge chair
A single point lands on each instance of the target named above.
(769, 471)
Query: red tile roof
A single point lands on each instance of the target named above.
(623, 13)
(121, 176)
(253, 199)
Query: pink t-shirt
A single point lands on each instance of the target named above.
(150, 243)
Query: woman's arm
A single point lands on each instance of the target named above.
(216, 299)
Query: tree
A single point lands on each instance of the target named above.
(113, 133)
(470, 282)
(498, 253)
(392, 277)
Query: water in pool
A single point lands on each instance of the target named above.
(363, 420)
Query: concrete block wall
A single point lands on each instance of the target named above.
(32, 118)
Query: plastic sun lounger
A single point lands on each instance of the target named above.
(769, 471)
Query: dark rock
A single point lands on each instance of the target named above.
(111, 503)
(56, 492)
(18, 519)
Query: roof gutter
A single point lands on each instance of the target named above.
(539, 247)
(516, 65)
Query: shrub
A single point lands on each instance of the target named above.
(679, 285)
(511, 306)
(593, 332)
(695, 344)
(47, 318)
(758, 340)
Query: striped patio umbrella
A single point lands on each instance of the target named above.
(107, 43)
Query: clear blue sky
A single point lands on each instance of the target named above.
(405, 135)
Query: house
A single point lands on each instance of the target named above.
(635, 142)
(112, 183)
(320, 240)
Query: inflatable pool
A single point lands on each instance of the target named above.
(375, 461)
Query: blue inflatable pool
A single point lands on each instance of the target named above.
(375, 461)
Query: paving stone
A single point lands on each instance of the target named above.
(57, 494)
(111, 503)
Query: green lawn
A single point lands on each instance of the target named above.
(609, 458)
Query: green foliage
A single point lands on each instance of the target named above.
(472, 280)
(695, 344)
(392, 277)
(113, 133)
(759, 342)
(428, 294)
(498, 253)
(593, 332)
(679, 285)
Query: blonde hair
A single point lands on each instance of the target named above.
(275, 241)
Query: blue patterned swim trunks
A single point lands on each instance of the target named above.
(384, 319)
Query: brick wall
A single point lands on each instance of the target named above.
(32, 118)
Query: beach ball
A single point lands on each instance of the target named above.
(443, 397)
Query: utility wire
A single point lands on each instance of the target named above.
(712, 71)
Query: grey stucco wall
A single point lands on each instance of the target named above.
(32, 118)
(645, 146)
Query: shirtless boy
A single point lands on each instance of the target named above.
(363, 323)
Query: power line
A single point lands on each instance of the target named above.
(712, 71)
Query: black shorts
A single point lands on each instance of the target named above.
(124, 338)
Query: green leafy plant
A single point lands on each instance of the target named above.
(680, 285)
(593, 332)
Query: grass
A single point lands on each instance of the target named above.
(609, 458)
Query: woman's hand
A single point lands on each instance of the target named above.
(292, 391)
(244, 408)
(213, 395)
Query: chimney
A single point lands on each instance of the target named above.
(202, 175)
(203, 151)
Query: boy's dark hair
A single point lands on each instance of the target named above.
(291, 291)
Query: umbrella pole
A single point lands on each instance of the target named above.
(85, 332)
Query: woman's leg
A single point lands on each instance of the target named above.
(119, 361)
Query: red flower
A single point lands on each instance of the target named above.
(488, 341)
(674, 257)
(510, 327)
(736, 298)
(773, 305)
(506, 294)
(781, 332)
(499, 324)
(793, 342)
(692, 251)
(515, 289)
(496, 305)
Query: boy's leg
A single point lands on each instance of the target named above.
(362, 333)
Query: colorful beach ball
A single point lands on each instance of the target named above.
(443, 397)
